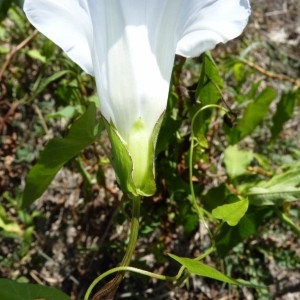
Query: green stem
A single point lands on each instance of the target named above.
(112, 286)
(287, 221)
(198, 209)
(86, 176)
(147, 273)
(134, 270)
(134, 230)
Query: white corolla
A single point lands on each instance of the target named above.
(129, 46)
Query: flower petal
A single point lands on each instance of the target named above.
(67, 23)
(133, 59)
(206, 23)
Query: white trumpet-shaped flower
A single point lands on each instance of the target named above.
(129, 46)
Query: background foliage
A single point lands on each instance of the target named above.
(244, 166)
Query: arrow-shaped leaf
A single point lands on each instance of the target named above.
(12, 290)
(58, 152)
(231, 213)
(199, 268)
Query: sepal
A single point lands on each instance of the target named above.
(133, 160)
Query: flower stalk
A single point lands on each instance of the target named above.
(109, 289)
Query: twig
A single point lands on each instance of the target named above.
(271, 74)
(42, 120)
(10, 55)
(4, 120)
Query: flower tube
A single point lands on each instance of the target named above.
(129, 46)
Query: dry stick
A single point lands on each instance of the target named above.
(11, 110)
(42, 120)
(271, 74)
(10, 55)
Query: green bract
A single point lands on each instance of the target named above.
(134, 161)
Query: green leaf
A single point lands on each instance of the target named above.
(284, 112)
(229, 236)
(4, 7)
(35, 54)
(200, 121)
(8, 225)
(278, 190)
(237, 161)
(256, 111)
(45, 82)
(59, 151)
(188, 218)
(67, 112)
(201, 269)
(12, 290)
(11, 227)
(288, 178)
(207, 92)
(276, 195)
(231, 213)
(253, 116)
(239, 72)
(214, 197)
(170, 124)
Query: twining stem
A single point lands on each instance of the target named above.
(198, 209)
(287, 221)
(178, 278)
(136, 203)
(110, 288)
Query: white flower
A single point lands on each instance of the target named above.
(129, 46)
